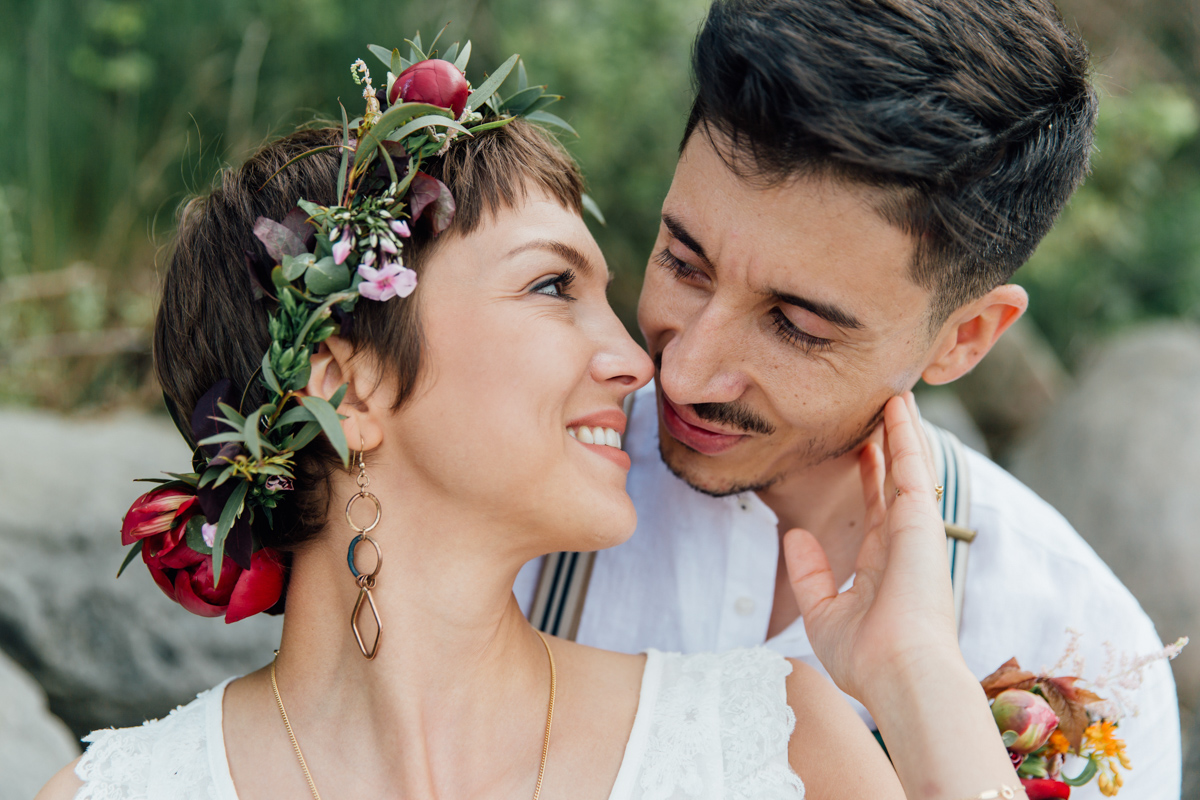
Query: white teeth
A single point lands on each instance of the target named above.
(597, 435)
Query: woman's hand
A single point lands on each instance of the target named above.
(899, 615)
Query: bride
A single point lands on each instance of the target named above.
(469, 405)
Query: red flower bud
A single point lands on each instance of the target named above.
(1045, 789)
(433, 81)
(155, 512)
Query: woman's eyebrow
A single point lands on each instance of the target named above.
(561, 249)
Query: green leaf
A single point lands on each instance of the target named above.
(1009, 738)
(294, 266)
(295, 415)
(229, 514)
(133, 551)
(152, 480)
(542, 102)
(522, 77)
(521, 100)
(489, 87)
(269, 374)
(339, 395)
(302, 437)
(436, 39)
(341, 184)
(326, 276)
(232, 417)
(1088, 773)
(194, 535)
(590, 206)
(464, 56)
(546, 118)
(432, 120)
(382, 53)
(391, 119)
(209, 476)
(225, 475)
(190, 478)
(221, 438)
(495, 123)
(451, 53)
(253, 441)
(330, 423)
(395, 64)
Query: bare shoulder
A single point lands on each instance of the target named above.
(601, 668)
(63, 786)
(831, 749)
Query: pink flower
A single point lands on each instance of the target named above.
(1027, 715)
(341, 250)
(156, 512)
(393, 280)
(368, 258)
(388, 246)
(208, 532)
(400, 228)
(278, 483)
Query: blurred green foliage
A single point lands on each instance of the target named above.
(114, 111)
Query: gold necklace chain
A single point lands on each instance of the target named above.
(537, 791)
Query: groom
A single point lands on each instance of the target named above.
(857, 183)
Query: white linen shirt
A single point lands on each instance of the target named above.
(699, 575)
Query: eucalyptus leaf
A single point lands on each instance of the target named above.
(233, 418)
(294, 266)
(327, 276)
(194, 535)
(522, 77)
(1089, 772)
(269, 374)
(229, 514)
(1009, 738)
(546, 118)
(395, 65)
(489, 87)
(521, 100)
(302, 437)
(431, 121)
(542, 102)
(133, 552)
(451, 53)
(339, 395)
(221, 438)
(330, 423)
(464, 56)
(341, 184)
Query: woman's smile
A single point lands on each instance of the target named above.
(601, 433)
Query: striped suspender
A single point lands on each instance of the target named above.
(950, 464)
(562, 586)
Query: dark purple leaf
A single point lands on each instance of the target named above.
(279, 240)
(427, 192)
(259, 270)
(345, 321)
(206, 413)
(297, 222)
(239, 543)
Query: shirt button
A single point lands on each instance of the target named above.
(743, 505)
(744, 606)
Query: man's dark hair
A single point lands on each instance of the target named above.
(974, 116)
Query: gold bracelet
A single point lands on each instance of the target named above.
(1006, 792)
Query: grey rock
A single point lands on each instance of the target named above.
(34, 744)
(107, 652)
(1120, 457)
(1014, 387)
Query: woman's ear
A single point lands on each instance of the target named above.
(971, 332)
(334, 365)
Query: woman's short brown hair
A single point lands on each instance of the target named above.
(210, 325)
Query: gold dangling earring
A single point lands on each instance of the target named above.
(366, 582)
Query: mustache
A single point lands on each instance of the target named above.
(733, 415)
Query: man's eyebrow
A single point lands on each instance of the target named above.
(561, 249)
(825, 311)
(679, 232)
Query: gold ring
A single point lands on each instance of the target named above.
(938, 489)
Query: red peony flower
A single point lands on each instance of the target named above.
(155, 512)
(1045, 789)
(433, 81)
(159, 519)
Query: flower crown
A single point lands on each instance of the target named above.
(196, 531)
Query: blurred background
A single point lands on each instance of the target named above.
(112, 113)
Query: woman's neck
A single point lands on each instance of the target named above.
(454, 702)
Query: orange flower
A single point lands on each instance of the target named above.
(1058, 745)
(1108, 751)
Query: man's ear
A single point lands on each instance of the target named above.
(972, 330)
(333, 365)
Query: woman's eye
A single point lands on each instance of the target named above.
(557, 286)
(680, 268)
(791, 334)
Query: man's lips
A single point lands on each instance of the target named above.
(695, 435)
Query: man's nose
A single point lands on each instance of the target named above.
(700, 362)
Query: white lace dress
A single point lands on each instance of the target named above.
(707, 727)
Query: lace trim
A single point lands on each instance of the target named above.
(721, 720)
(164, 758)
